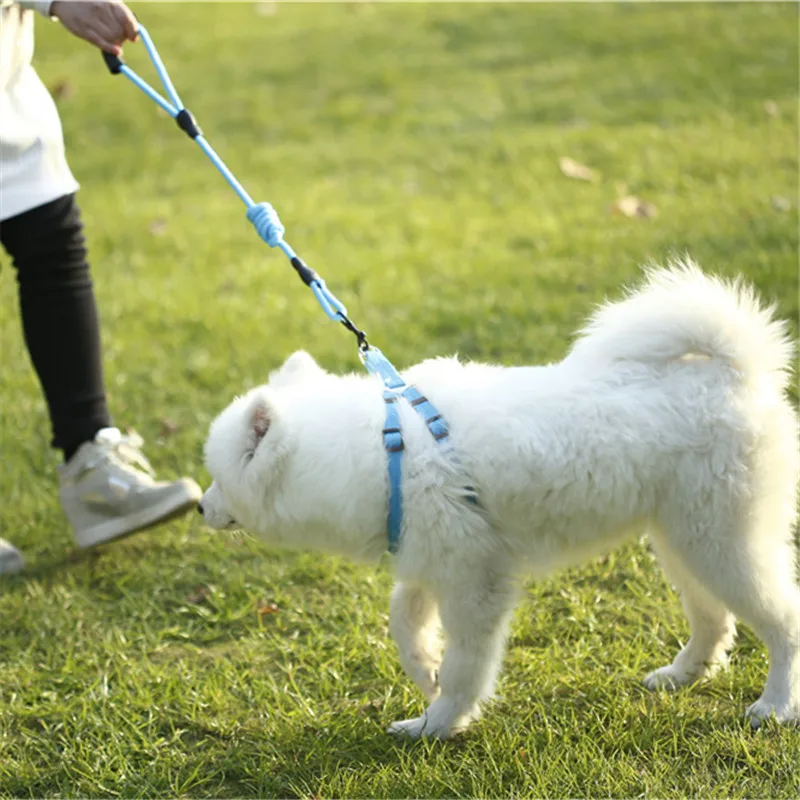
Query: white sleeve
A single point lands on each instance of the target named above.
(42, 6)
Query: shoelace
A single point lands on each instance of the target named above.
(126, 450)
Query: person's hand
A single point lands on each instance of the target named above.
(106, 23)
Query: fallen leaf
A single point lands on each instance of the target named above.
(157, 227)
(371, 707)
(771, 108)
(268, 608)
(575, 123)
(227, 286)
(62, 90)
(265, 9)
(576, 170)
(632, 206)
(781, 203)
(168, 427)
(198, 594)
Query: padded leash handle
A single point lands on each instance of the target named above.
(113, 62)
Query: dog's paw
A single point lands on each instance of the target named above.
(762, 710)
(669, 678)
(418, 727)
(413, 728)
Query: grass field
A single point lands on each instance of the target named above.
(412, 151)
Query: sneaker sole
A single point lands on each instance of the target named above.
(170, 508)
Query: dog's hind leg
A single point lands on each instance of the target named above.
(414, 625)
(474, 606)
(713, 627)
(746, 559)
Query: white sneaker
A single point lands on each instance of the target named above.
(108, 490)
(10, 558)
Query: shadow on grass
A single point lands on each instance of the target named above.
(51, 567)
(305, 761)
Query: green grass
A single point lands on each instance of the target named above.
(412, 152)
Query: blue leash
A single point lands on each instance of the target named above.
(262, 215)
(269, 227)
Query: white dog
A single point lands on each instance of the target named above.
(668, 413)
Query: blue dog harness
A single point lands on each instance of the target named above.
(396, 390)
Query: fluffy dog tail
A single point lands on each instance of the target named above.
(681, 312)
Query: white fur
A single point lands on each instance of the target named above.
(669, 412)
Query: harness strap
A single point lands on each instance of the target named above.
(394, 446)
(433, 419)
(393, 443)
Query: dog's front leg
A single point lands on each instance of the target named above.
(474, 613)
(414, 624)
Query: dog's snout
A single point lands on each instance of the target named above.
(200, 508)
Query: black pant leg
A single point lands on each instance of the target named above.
(59, 317)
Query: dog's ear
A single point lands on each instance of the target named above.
(261, 417)
(298, 367)
(264, 449)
